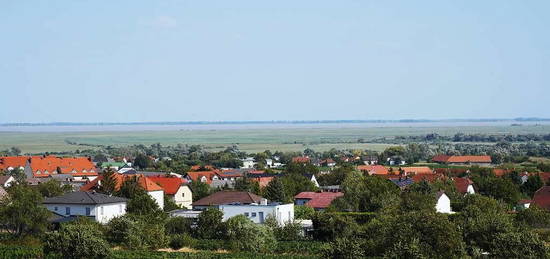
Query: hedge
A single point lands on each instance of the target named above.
(121, 254)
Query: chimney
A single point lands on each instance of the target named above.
(263, 201)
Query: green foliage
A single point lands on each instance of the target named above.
(245, 235)
(136, 233)
(178, 225)
(109, 182)
(344, 248)
(328, 226)
(20, 252)
(182, 240)
(296, 183)
(130, 188)
(22, 213)
(291, 231)
(405, 249)
(143, 204)
(336, 176)
(534, 217)
(533, 183)
(367, 193)
(170, 204)
(275, 191)
(53, 188)
(499, 188)
(209, 224)
(246, 185)
(142, 161)
(414, 201)
(303, 212)
(520, 244)
(77, 241)
(200, 190)
(301, 168)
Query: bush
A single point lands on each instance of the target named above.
(23, 252)
(209, 224)
(77, 241)
(344, 248)
(178, 225)
(182, 240)
(244, 235)
(518, 245)
(136, 233)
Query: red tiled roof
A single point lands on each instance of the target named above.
(500, 172)
(256, 172)
(262, 181)
(373, 169)
(461, 159)
(78, 166)
(318, 200)
(545, 177)
(542, 197)
(462, 184)
(415, 170)
(428, 177)
(301, 159)
(195, 168)
(146, 184)
(170, 185)
(229, 173)
(228, 197)
(13, 161)
(195, 176)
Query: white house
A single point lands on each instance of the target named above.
(283, 213)
(443, 204)
(100, 207)
(248, 163)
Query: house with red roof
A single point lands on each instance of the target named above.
(414, 170)
(79, 168)
(462, 160)
(203, 176)
(8, 163)
(316, 200)
(542, 197)
(464, 185)
(154, 190)
(175, 188)
(301, 159)
(373, 169)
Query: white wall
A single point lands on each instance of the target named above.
(443, 204)
(282, 213)
(470, 189)
(158, 196)
(183, 197)
(102, 212)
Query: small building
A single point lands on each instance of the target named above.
(464, 185)
(316, 200)
(542, 197)
(248, 163)
(81, 168)
(443, 203)
(6, 180)
(176, 189)
(301, 159)
(523, 204)
(226, 197)
(328, 162)
(462, 160)
(283, 213)
(100, 207)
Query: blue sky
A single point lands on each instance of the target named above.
(120, 61)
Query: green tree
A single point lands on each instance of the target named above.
(200, 190)
(136, 232)
(130, 188)
(209, 224)
(170, 204)
(142, 161)
(534, 217)
(21, 212)
(109, 182)
(53, 188)
(296, 183)
(303, 212)
(143, 205)
(533, 183)
(344, 248)
(367, 193)
(244, 235)
(77, 241)
(521, 244)
(178, 225)
(275, 191)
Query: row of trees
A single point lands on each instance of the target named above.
(461, 137)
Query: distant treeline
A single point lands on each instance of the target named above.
(461, 137)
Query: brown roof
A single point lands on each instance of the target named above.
(542, 197)
(462, 184)
(373, 169)
(228, 197)
(147, 184)
(461, 159)
(318, 200)
(301, 159)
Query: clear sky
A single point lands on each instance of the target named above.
(121, 61)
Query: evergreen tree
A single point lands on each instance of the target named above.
(275, 190)
(109, 182)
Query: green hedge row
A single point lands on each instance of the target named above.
(121, 254)
(282, 247)
(23, 252)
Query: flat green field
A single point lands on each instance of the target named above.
(249, 140)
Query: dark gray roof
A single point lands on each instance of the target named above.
(402, 183)
(83, 198)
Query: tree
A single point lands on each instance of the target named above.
(134, 232)
(142, 161)
(244, 235)
(178, 225)
(130, 188)
(170, 204)
(521, 244)
(143, 205)
(246, 185)
(303, 212)
(18, 174)
(15, 151)
(296, 183)
(209, 224)
(22, 212)
(53, 188)
(200, 190)
(77, 240)
(275, 191)
(344, 248)
(367, 193)
(109, 182)
(533, 183)
(534, 217)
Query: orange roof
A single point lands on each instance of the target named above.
(13, 161)
(262, 181)
(78, 166)
(300, 159)
(373, 169)
(146, 184)
(461, 159)
(194, 176)
(416, 170)
(170, 185)
(198, 167)
(500, 171)
(462, 184)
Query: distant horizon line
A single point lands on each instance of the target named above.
(520, 119)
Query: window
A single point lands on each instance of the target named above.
(55, 208)
(182, 194)
(101, 210)
(87, 211)
(253, 214)
(67, 211)
(120, 208)
(246, 214)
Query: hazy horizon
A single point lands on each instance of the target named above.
(174, 61)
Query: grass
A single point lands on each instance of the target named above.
(249, 140)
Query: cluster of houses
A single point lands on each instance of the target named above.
(86, 179)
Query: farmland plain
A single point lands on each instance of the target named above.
(249, 139)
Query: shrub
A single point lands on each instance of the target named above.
(77, 241)
(209, 224)
(136, 233)
(182, 240)
(244, 235)
(178, 225)
(343, 248)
